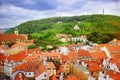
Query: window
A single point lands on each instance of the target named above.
(29, 73)
(63, 67)
(44, 75)
(66, 66)
(25, 73)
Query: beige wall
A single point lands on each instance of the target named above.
(51, 71)
(1, 69)
(66, 68)
(78, 73)
(14, 50)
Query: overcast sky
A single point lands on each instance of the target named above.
(13, 12)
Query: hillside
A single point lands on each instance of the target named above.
(94, 26)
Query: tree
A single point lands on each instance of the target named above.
(31, 46)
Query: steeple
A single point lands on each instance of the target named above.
(103, 11)
(16, 31)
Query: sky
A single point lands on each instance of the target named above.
(14, 12)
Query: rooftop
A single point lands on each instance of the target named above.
(51, 65)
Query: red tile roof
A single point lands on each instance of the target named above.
(98, 47)
(98, 54)
(54, 77)
(35, 50)
(53, 55)
(2, 59)
(114, 49)
(115, 41)
(21, 37)
(116, 56)
(2, 46)
(19, 67)
(32, 57)
(11, 37)
(41, 68)
(8, 37)
(64, 58)
(17, 57)
(37, 67)
(59, 70)
(93, 66)
(72, 56)
(83, 53)
(118, 64)
(22, 76)
(114, 75)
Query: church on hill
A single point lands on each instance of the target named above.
(12, 38)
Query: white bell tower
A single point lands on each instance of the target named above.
(16, 31)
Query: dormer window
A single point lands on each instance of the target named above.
(29, 73)
(44, 75)
(25, 73)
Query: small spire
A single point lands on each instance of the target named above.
(103, 11)
(16, 31)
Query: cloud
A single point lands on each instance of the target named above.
(32, 4)
(13, 13)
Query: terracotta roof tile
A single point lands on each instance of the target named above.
(17, 57)
(114, 49)
(54, 77)
(19, 67)
(53, 55)
(98, 47)
(82, 53)
(35, 50)
(11, 37)
(115, 41)
(64, 58)
(41, 68)
(8, 37)
(93, 66)
(98, 54)
(21, 37)
(2, 59)
(2, 46)
(72, 56)
(114, 75)
(32, 57)
(118, 64)
(116, 56)
(59, 70)
(37, 67)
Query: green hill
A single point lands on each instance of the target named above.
(96, 27)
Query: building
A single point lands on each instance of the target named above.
(12, 61)
(76, 27)
(66, 68)
(51, 69)
(12, 38)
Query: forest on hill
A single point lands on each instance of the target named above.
(98, 28)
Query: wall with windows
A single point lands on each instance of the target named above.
(29, 74)
(42, 76)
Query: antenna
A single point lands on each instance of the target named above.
(103, 11)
